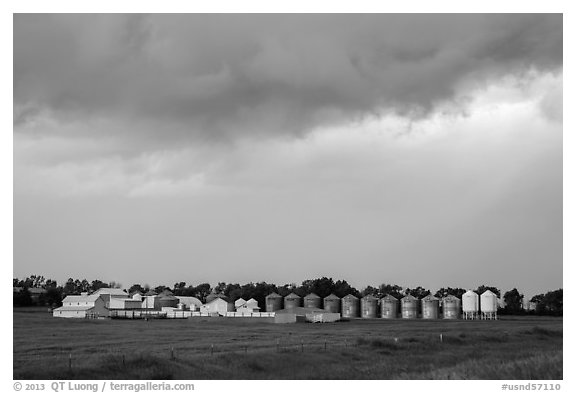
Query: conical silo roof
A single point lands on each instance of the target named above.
(429, 298)
(390, 298)
(350, 296)
(292, 295)
(332, 296)
(273, 295)
(312, 296)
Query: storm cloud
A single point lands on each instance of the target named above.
(217, 77)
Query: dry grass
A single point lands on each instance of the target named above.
(513, 348)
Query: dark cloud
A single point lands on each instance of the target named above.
(218, 75)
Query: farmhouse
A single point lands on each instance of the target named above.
(82, 306)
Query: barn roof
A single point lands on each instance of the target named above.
(74, 308)
(79, 298)
(110, 291)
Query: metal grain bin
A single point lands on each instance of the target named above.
(488, 305)
(369, 306)
(166, 301)
(350, 306)
(274, 302)
(332, 303)
(451, 307)
(430, 305)
(470, 305)
(389, 307)
(312, 301)
(292, 300)
(409, 307)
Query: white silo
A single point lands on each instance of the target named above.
(488, 305)
(470, 305)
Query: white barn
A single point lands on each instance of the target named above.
(190, 302)
(81, 307)
(250, 306)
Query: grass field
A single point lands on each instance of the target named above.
(226, 348)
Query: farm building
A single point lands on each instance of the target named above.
(451, 307)
(312, 301)
(409, 307)
(166, 299)
(303, 314)
(430, 305)
(217, 306)
(470, 305)
(292, 300)
(124, 304)
(213, 295)
(389, 307)
(332, 303)
(249, 307)
(274, 302)
(82, 306)
(190, 302)
(239, 303)
(369, 306)
(350, 306)
(488, 305)
(108, 293)
(149, 301)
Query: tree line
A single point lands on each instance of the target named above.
(546, 304)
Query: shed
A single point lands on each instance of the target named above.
(218, 305)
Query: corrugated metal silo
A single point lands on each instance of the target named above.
(332, 303)
(451, 307)
(389, 307)
(470, 305)
(292, 301)
(369, 306)
(274, 302)
(350, 306)
(488, 305)
(409, 307)
(312, 301)
(430, 306)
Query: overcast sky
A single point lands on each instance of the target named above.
(408, 149)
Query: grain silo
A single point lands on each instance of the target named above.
(292, 300)
(350, 306)
(451, 307)
(409, 307)
(430, 306)
(332, 303)
(166, 300)
(488, 305)
(312, 301)
(389, 307)
(274, 302)
(470, 305)
(369, 306)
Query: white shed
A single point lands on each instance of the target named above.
(190, 302)
(239, 303)
(217, 305)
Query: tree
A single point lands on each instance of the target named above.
(370, 290)
(417, 292)
(201, 291)
(137, 287)
(22, 298)
(443, 292)
(483, 288)
(96, 285)
(390, 289)
(514, 302)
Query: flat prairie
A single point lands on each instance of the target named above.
(523, 347)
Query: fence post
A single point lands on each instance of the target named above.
(123, 360)
(212, 349)
(302, 345)
(277, 345)
(345, 343)
(441, 340)
(70, 361)
(172, 353)
(325, 345)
